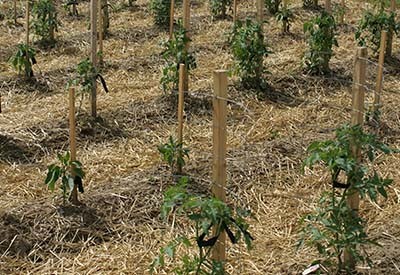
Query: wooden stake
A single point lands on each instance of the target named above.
(260, 11)
(219, 151)
(357, 118)
(15, 12)
(328, 6)
(27, 23)
(379, 77)
(171, 19)
(93, 55)
(101, 33)
(390, 33)
(186, 26)
(284, 25)
(180, 109)
(343, 7)
(72, 140)
(234, 11)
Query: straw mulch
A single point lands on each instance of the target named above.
(118, 229)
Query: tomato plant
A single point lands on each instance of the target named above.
(210, 217)
(285, 16)
(173, 153)
(335, 227)
(174, 54)
(273, 6)
(249, 50)
(371, 25)
(320, 32)
(86, 75)
(219, 8)
(70, 172)
(45, 20)
(161, 10)
(24, 59)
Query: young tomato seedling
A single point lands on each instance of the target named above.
(71, 174)
(174, 154)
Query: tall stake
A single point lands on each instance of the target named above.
(328, 6)
(101, 33)
(219, 151)
(234, 11)
(260, 11)
(171, 19)
(186, 26)
(357, 118)
(379, 78)
(260, 19)
(343, 9)
(93, 54)
(180, 111)
(27, 23)
(72, 139)
(15, 12)
(390, 33)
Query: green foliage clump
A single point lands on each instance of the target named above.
(285, 16)
(372, 24)
(335, 227)
(249, 50)
(173, 153)
(320, 33)
(173, 55)
(210, 217)
(45, 21)
(220, 7)
(23, 60)
(161, 10)
(87, 74)
(70, 172)
(273, 6)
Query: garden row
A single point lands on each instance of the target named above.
(337, 231)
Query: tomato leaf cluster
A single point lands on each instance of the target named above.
(210, 218)
(70, 172)
(173, 153)
(219, 8)
(334, 226)
(249, 49)
(45, 20)
(23, 59)
(175, 53)
(320, 32)
(372, 24)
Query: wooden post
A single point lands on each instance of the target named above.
(379, 77)
(15, 12)
(260, 11)
(284, 25)
(328, 6)
(180, 109)
(27, 23)
(234, 11)
(51, 30)
(260, 19)
(93, 55)
(219, 151)
(171, 19)
(186, 26)
(343, 9)
(357, 118)
(390, 33)
(101, 33)
(72, 139)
